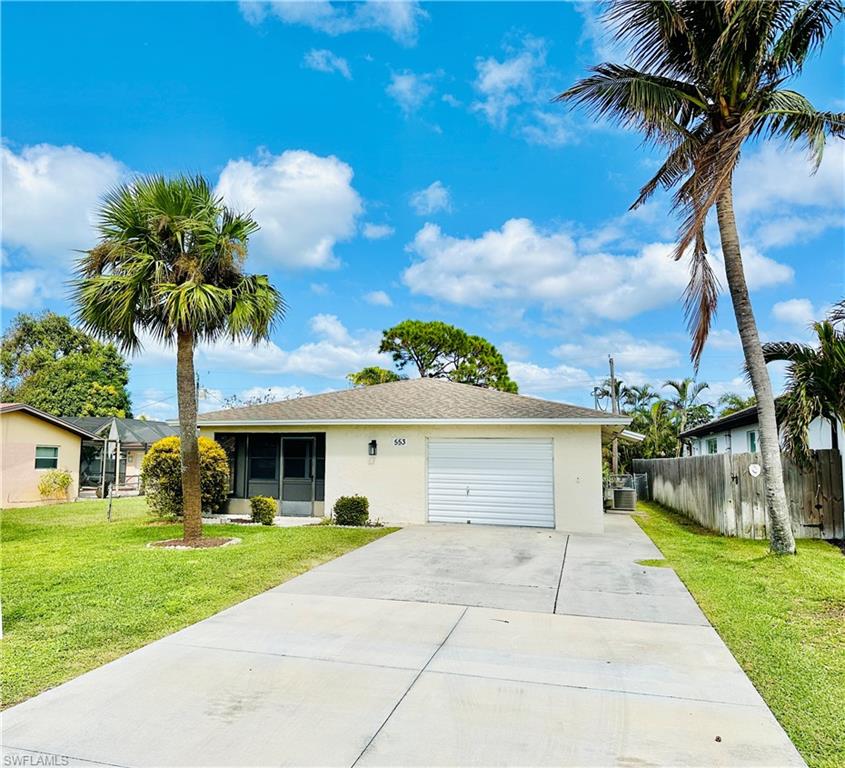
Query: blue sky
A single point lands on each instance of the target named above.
(404, 161)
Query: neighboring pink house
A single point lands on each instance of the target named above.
(33, 442)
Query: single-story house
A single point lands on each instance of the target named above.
(134, 437)
(31, 443)
(740, 433)
(422, 450)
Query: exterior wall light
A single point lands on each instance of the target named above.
(372, 448)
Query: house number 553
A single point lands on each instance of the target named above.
(399, 441)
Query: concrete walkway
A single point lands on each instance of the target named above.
(434, 646)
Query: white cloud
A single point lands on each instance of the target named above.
(398, 19)
(332, 354)
(377, 231)
(378, 299)
(330, 328)
(504, 84)
(536, 379)
(774, 179)
(320, 289)
(27, 289)
(799, 313)
(627, 351)
(780, 201)
(513, 350)
(305, 204)
(724, 339)
(548, 129)
(50, 198)
(786, 230)
(435, 197)
(597, 35)
(522, 265)
(324, 60)
(409, 90)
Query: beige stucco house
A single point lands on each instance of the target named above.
(422, 450)
(31, 443)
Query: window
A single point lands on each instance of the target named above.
(263, 457)
(752, 441)
(46, 457)
(712, 445)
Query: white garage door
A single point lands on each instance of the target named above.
(492, 482)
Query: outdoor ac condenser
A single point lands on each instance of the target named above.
(625, 498)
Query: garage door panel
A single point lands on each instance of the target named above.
(502, 481)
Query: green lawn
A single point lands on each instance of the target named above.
(78, 591)
(782, 617)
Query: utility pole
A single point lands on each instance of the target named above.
(614, 404)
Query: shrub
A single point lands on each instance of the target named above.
(54, 484)
(351, 510)
(263, 509)
(161, 475)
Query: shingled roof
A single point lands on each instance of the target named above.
(411, 400)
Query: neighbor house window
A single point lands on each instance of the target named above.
(46, 457)
(752, 441)
(712, 445)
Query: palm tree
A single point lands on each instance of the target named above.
(815, 383)
(657, 425)
(168, 264)
(639, 398)
(731, 402)
(683, 401)
(704, 76)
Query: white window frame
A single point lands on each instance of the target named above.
(714, 441)
(751, 436)
(37, 457)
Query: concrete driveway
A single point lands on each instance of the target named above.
(434, 646)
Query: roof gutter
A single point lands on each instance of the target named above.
(617, 421)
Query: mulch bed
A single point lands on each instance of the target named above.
(204, 543)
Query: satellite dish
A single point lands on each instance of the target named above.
(754, 470)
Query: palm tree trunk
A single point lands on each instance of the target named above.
(187, 396)
(780, 528)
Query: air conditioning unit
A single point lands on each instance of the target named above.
(625, 498)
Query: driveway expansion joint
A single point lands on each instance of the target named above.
(408, 689)
(560, 576)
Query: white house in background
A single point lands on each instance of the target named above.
(740, 433)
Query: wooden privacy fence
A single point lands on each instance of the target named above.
(720, 493)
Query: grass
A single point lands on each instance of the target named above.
(78, 591)
(782, 617)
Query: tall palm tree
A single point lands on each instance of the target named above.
(687, 392)
(703, 77)
(169, 264)
(639, 398)
(815, 383)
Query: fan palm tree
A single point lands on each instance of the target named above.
(703, 77)
(687, 392)
(168, 265)
(815, 383)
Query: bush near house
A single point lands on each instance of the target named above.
(351, 510)
(161, 474)
(263, 509)
(54, 484)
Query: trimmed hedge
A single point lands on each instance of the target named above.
(351, 510)
(263, 509)
(161, 474)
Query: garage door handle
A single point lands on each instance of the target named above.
(467, 490)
